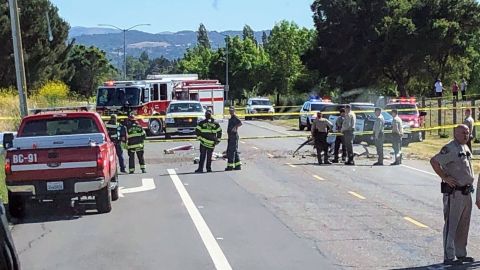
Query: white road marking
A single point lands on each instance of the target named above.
(418, 170)
(357, 195)
(147, 184)
(291, 165)
(411, 220)
(318, 177)
(216, 253)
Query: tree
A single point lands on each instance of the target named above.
(196, 60)
(91, 68)
(44, 58)
(264, 39)
(202, 37)
(248, 33)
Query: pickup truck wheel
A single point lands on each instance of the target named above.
(154, 127)
(115, 190)
(247, 118)
(16, 205)
(309, 125)
(405, 142)
(104, 200)
(300, 126)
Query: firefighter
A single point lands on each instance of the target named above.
(320, 129)
(135, 144)
(116, 131)
(209, 134)
(234, 123)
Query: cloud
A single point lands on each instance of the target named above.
(215, 4)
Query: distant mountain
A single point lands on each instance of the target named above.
(167, 44)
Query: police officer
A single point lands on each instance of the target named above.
(209, 134)
(234, 123)
(453, 165)
(348, 127)
(397, 134)
(339, 139)
(135, 144)
(115, 132)
(8, 254)
(320, 128)
(378, 127)
(470, 123)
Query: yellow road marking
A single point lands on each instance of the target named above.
(357, 195)
(269, 155)
(318, 177)
(411, 220)
(256, 148)
(291, 165)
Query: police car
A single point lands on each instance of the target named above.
(309, 110)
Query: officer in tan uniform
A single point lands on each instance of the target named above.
(453, 165)
(320, 128)
(378, 127)
(348, 127)
(397, 134)
(470, 123)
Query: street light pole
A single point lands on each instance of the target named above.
(18, 55)
(227, 86)
(124, 30)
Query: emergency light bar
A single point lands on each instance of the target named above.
(404, 100)
(62, 109)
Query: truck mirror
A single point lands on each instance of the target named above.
(7, 140)
(423, 113)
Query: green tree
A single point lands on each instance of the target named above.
(196, 60)
(264, 39)
(249, 33)
(44, 58)
(202, 37)
(90, 69)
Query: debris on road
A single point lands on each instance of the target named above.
(178, 148)
(215, 156)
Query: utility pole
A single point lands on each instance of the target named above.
(18, 54)
(227, 86)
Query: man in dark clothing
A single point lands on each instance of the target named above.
(339, 138)
(234, 123)
(115, 132)
(8, 254)
(209, 134)
(135, 144)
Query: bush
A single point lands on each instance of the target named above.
(53, 92)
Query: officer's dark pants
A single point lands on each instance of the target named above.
(322, 146)
(339, 141)
(348, 139)
(121, 161)
(457, 209)
(131, 160)
(8, 254)
(207, 153)
(397, 147)
(232, 153)
(464, 95)
(469, 144)
(379, 146)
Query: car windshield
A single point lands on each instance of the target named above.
(59, 126)
(185, 107)
(261, 102)
(403, 109)
(118, 96)
(317, 107)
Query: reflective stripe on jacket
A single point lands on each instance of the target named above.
(208, 132)
(135, 138)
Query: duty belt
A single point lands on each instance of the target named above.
(465, 189)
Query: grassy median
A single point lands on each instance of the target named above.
(3, 187)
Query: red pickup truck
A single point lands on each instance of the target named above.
(60, 156)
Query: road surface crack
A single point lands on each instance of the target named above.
(45, 231)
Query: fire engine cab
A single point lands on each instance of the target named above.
(409, 113)
(150, 98)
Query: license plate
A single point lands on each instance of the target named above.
(185, 130)
(52, 186)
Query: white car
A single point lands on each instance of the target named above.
(259, 106)
(182, 117)
(308, 113)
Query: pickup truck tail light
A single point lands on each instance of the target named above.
(99, 161)
(8, 166)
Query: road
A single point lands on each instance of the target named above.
(278, 212)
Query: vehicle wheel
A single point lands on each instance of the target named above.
(16, 205)
(424, 135)
(104, 200)
(247, 118)
(155, 127)
(168, 136)
(419, 137)
(271, 118)
(405, 143)
(115, 190)
(309, 126)
(300, 126)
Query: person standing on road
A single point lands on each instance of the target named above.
(348, 127)
(135, 144)
(397, 134)
(455, 90)
(454, 166)
(320, 128)
(233, 158)
(378, 127)
(339, 139)
(209, 134)
(115, 132)
(438, 88)
(463, 88)
(470, 123)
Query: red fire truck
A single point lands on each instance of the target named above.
(151, 97)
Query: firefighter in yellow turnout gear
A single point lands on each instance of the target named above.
(135, 144)
(209, 134)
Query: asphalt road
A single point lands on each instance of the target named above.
(278, 212)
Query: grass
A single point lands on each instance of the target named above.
(3, 187)
(288, 123)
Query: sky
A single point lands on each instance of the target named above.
(177, 15)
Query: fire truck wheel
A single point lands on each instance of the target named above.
(16, 205)
(115, 190)
(154, 127)
(104, 200)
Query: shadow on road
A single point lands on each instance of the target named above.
(194, 173)
(465, 266)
